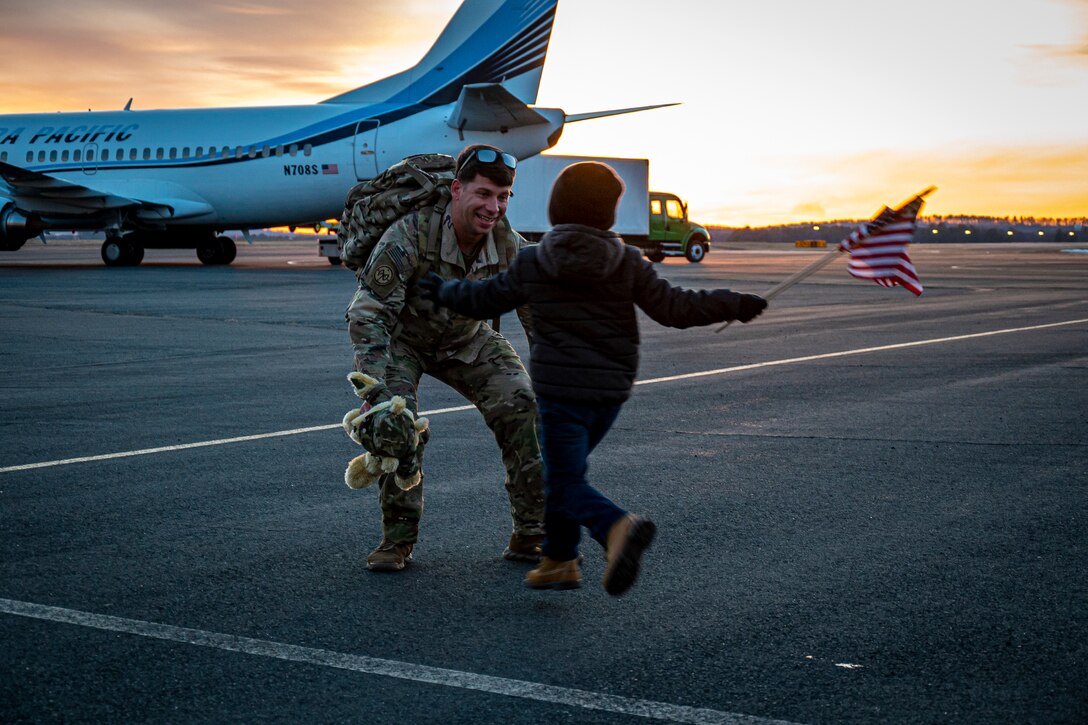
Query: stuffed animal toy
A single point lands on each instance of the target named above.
(391, 434)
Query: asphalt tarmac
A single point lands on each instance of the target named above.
(871, 508)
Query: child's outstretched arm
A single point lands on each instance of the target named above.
(478, 299)
(679, 307)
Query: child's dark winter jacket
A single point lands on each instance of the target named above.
(582, 285)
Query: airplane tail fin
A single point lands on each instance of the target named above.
(486, 42)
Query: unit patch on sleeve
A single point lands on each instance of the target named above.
(384, 275)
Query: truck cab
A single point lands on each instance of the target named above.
(671, 233)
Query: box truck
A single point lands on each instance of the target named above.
(655, 222)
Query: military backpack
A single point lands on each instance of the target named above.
(413, 183)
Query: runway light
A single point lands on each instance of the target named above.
(815, 227)
(1072, 234)
(934, 231)
(966, 231)
(1009, 232)
(1040, 233)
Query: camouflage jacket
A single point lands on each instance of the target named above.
(387, 305)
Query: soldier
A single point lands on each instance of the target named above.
(397, 336)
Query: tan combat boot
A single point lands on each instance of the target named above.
(627, 540)
(555, 575)
(524, 547)
(389, 556)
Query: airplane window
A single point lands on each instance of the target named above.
(63, 155)
(132, 154)
(294, 150)
(29, 156)
(199, 151)
(41, 156)
(77, 155)
(251, 152)
(307, 150)
(90, 155)
(147, 153)
(279, 150)
(185, 152)
(266, 152)
(238, 152)
(4, 156)
(53, 155)
(226, 152)
(160, 152)
(173, 152)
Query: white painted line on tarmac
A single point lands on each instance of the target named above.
(165, 449)
(202, 444)
(859, 351)
(459, 408)
(565, 696)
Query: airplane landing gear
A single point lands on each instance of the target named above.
(119, 251)
(217, 250)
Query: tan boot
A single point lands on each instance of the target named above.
(627, 540)
(555, 575)
(389, 556)
(524, 547)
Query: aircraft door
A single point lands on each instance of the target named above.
(366, 150)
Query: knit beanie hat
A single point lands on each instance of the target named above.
(587, 193)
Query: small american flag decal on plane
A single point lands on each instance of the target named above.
(329, 169)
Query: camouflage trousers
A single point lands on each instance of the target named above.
(498, 385)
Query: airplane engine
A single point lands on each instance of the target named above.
(16, 227)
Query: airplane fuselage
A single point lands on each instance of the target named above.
(238, 167)
(178, 178)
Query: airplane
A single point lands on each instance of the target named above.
(178, 179)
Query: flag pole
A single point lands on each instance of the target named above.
(824, 260)
(793, 279)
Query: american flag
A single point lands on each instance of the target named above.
(878, 248)
(329, 169)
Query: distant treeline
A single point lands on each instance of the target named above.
(931, 228)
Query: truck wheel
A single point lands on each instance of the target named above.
(335, 261)
(696, 251)
(655, 256)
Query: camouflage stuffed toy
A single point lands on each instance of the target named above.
(391, 434)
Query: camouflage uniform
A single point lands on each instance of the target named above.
(397, 336)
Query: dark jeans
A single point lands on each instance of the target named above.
(569, 432)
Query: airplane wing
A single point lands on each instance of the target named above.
(44, 194)
(490, 107)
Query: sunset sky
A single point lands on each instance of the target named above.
(792, 110)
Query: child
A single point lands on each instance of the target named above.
(582, 284)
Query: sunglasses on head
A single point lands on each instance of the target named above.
(490, 156)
